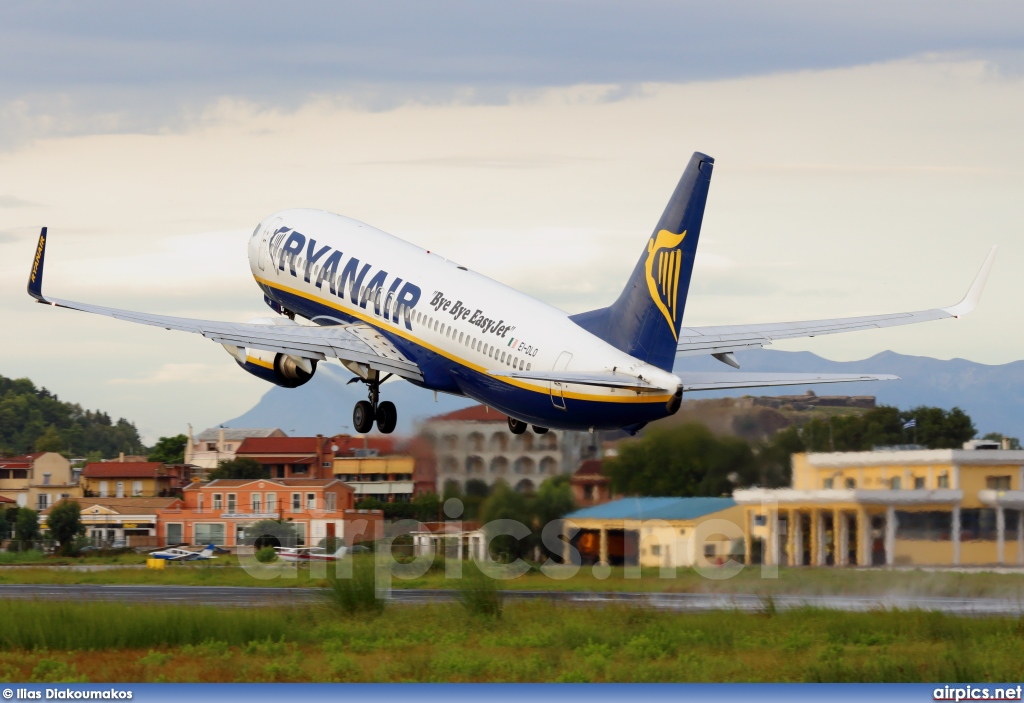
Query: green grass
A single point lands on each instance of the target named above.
(32, 625)
(534, 641)
(797, 581)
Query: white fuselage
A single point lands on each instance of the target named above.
(332, 269)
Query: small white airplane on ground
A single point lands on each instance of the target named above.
(308, 554)
(384, 307)
(176, 554)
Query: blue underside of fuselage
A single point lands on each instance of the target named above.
(447, 376)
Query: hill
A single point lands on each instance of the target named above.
(34, 419)
(992, 395)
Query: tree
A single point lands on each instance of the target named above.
(271, 533)
(5, 527)
(26, 525)
(50, 441)
(935, 428)
(687, 460)
(65, 523)
(427, 507)
(506, 504)
(240, 468)
(169, 450)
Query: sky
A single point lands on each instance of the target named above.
(867, 154)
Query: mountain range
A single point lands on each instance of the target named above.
(993, 395)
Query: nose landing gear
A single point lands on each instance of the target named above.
(367, 411)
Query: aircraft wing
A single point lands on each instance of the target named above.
(719, 381)
(723, 339)
(356, 343)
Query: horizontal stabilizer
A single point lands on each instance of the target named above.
(602, 379)
(711, 381)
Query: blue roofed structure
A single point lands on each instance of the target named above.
(654, 509)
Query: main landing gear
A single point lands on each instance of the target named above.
(368, 411)
(518, 427)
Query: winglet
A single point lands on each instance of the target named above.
(970, 300)
(35, 278)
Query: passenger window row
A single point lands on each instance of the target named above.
(477, 345)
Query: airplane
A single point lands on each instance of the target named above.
(176, 554)
(308, 554)
(384, 307)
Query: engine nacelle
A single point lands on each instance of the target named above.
(285, 370)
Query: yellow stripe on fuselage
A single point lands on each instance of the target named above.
(405, 334)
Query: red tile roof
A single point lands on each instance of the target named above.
(6, 500)
(25, 461)
(278, 445)
(347, 444)
(287, 482)
(590, 467)
(128, 469)
(126, 505)
(474, 413)
(291, 460)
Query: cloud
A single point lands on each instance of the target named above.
(129, 67)
(9, 201)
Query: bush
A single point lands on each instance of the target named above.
(266, 555)
(357, 594)
(479, 593)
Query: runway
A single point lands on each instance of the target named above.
(677, 602)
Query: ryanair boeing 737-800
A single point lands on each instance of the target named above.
(384, 307)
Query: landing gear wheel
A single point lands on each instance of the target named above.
(516, 426)
(387, 417)
(540, 430)
(362, 417)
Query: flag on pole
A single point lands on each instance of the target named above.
(910, 423)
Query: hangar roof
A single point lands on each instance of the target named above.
(655, 509)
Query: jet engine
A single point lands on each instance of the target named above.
(285, 370)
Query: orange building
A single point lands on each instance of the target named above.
(221, 510)
(590, 486)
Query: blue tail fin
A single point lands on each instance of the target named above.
(644, 322)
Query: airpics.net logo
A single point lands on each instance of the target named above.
(978, 693)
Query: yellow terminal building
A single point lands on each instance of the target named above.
(943, 507)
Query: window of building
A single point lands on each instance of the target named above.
(46, 479)
(944, 481)
(175, 534)
(136, 488)
(42, 501)
(760, 520)
(851, 483)
(709, 551)
(257, 502)
(895, 483)
(978, 523)
(331, 501)
(218, 501)
(271, 502)
(209, 533)
(199, 502)
(120, 489)
(232, 502)
(104, 489)
(997, 483)
(300, 533)
(310, 501)
(828, 484)
(296, 502)
(923, 525)
(919, 483)
(588, 492)
(655, 550)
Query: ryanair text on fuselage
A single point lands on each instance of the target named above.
(387, 302)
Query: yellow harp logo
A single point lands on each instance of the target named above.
(663, 263)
